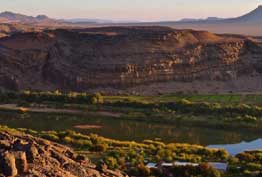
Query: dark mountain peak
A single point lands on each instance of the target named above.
(253, 16)
(259, 8)
(42, 17)
(7, 13)
(213, 18)
(11, 16)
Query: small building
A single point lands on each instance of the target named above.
(151, 165)
(185, 164)
(216, 165)
(219, 166)
(165, 164)
(168, 165)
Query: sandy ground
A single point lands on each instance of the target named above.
(53, 110)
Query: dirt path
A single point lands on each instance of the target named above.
(54, 110)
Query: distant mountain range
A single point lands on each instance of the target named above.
(200, 19)
(98, 21)
(10, 17)
(254, 16)
(248, 24)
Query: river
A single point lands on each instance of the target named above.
(230, 139)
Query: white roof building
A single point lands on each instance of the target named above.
(219, 166)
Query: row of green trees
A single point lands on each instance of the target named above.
(56, 96)
(196, 108)
(181, 106)
(246, 164)
(203, 170)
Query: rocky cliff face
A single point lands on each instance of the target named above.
(24, 155)
(121, 57)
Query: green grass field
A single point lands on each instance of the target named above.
(227, 99)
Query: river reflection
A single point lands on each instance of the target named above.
(128, 130)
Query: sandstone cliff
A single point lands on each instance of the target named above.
(126, 57)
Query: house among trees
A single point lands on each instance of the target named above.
(219, 166)
(216, 165)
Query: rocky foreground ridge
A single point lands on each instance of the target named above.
(24, 155)
(127, 57)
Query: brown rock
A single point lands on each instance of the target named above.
(70, 154)
(8, 164)
(80, 158)
(59, 157)
(75, 169)
(31, 153)
(131, 57)
(5, 144)
(29, 148)
(29, 156)
(21, 162)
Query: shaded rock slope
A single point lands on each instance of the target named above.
(24, 155)
(126, 57)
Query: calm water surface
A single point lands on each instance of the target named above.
(234, 149)
(138, 130)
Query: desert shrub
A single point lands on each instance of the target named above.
(111, 162)
(56, 96)
(50, 136)
(245, 157)
(202, 170)
(67, 140)
(99, 147)
(143, 170)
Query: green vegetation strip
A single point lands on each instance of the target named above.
(221, 111)
(132, 157)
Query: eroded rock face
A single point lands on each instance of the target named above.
(24, 155)
(121, 57)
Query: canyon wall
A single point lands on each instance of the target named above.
(120, 58)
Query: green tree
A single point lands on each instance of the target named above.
(111, 162)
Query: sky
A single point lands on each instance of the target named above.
(142, 10)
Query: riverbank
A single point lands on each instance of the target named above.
(130, 155)
(141, 130)
(134, 124)
(139, 117)
(15, 107)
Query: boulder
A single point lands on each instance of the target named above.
(4, 144)
(30, 156)
(21, 162)
(8, 164)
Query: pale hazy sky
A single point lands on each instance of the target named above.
(131, 9)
